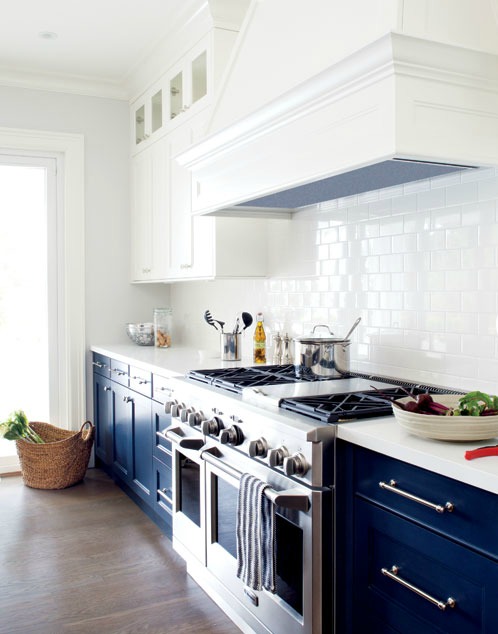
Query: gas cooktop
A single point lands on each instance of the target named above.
(328, 400)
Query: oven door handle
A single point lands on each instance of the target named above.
(289, 498)
(175, 435)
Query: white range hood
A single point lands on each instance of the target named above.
(398, 109)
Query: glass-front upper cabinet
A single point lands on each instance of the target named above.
(148, 116)
(188, 82)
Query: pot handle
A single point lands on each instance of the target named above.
(322, 326)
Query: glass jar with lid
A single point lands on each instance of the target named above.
(162, 327)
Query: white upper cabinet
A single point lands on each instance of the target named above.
(188, 82)
(186, 88)
(150, 236)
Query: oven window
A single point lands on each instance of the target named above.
(289, 544)
(190, 495)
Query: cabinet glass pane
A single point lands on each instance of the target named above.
(199, 77)
(176, 95)
(140, 124)
(157, 111)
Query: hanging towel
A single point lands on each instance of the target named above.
(255, 535)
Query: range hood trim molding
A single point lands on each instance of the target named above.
(381, 80)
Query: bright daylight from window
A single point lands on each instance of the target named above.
(24, 376)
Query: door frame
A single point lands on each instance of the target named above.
(68, 150)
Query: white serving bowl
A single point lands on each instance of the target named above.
(446, 427)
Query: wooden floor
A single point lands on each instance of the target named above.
(87, 560)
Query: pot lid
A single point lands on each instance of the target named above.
(318, 338)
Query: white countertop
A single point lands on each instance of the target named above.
(172, 361)
(381, 434)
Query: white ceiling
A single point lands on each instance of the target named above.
(99, 41)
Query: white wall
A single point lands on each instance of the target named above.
(418, 263)
(110, 299)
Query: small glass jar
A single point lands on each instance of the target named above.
(162, 327)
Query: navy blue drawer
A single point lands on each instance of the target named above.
(473, 521)
(141, 381)
(101, 364)
(119, 372)
(163, 490)
(430, 563)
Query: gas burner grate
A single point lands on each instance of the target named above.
(235, 379)
(335, 408)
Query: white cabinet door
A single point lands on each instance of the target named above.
(184, 251)
(150, 214)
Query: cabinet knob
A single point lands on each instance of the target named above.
(127, 399)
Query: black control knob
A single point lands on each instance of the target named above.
(296, 465)
(183, 413)
(258, 448)
(212, 427)
(194, 419)
(276, 456)
(232, 436)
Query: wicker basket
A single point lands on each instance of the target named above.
(59, 462)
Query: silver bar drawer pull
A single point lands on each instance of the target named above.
(393, 574)
(440, 508)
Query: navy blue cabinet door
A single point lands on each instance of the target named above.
(102, 406)
(122, 432)
(142, 445)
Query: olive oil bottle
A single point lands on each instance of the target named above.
(259, 340)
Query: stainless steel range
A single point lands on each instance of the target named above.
(266, 422)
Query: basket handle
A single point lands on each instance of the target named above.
(86, 430)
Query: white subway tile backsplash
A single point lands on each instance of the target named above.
(418, 262)
(482, 257)
(488, 235)
(418, 222)
(446, 218)
(404, 281)
(461, 238)
(464, 323)
(487, 280)
(462, 193)
(431, 199)
(480, 213)
(379, 246)
(404, 243)
(446, 300)
(391, 226)
(488, 189)
(445, 260)
(431, 240)
(391, 263)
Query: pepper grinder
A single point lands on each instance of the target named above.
(277, 349)
(286, 356)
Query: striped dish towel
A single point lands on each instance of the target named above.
(255, 535)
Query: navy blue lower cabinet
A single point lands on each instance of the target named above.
(102, 401)
(397, 569)
(122, 432)
(141, 480)
(413, 580)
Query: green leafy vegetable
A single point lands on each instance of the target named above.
(17, 427)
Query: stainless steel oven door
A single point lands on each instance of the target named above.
(189, 532)
(303, 599)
